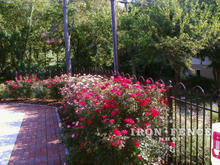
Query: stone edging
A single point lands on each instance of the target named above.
(60, 127)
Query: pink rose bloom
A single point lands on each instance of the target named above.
(143, 103)
(113, 105)
(98, 110)
(119, 142)
(137, 143)
(82, 103)
(73, 135)
(112, 90)
(103, 88)
(162, 140)
(114, 143)
(89, 122)
(138, 93)
(148, 99)
(148, 81)
(132, 95)
(147, 124)
(147, 113)
(82, 144)
(119, 93)
(104, 121)
(107, 84)
(111, 136)
(148, 130)
(129, 120)
(117, 132)
(115, 112)
(139, 157)
(111, 121)
(155, 113)
(172, 144)
(123, 132)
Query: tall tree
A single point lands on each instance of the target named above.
(67, 38)
(180, 30)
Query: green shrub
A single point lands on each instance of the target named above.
(207, 84)
(101, 114)
(3, 91)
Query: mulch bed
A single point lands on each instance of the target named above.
(49, 102)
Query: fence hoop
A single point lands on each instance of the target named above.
(197, 87)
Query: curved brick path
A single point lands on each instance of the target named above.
(38, 140)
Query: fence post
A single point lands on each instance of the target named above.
(218, 100)
(170, 118)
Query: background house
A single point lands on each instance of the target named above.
(201, 68)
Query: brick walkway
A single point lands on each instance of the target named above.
(38, 139)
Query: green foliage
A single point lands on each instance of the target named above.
(25, 29)
(207, 84)
(165, 34)
(3, 91)
(91, 36)
(180, 30)
(31, 87)
(168, 32)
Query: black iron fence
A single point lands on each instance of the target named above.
(191, 115)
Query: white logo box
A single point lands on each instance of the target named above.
(215, 152)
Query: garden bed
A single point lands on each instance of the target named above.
(100, 115)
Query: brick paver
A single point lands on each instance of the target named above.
(38, 139)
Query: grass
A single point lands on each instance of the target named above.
(183, 150)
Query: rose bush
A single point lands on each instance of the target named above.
(103, 117)
(103, 112)
(31, 87)
(22, 86)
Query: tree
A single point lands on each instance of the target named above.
(67, 38)
(212, 47)
(92, 37)
(176, 29)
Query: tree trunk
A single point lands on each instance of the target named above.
(216, 72)
(67, 38)
(114, 37)
(133, 63)
(177, 73)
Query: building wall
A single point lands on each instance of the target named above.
(202, 67)
(205, 71)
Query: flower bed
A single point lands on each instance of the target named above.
(31, 87)
(106, 120)
(104, 115)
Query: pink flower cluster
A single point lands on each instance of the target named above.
(22, 81)
(112, 107)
